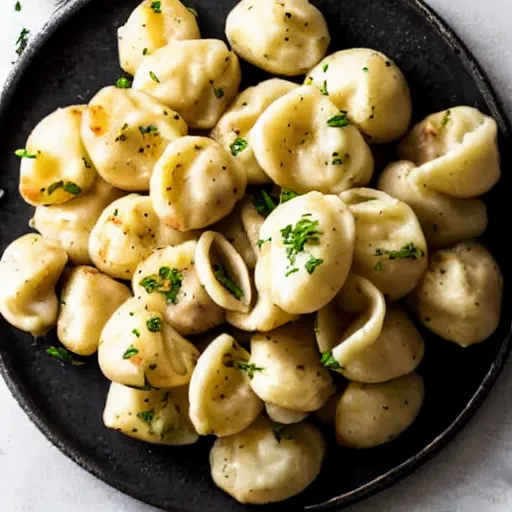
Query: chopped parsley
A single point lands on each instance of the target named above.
(123, 83)
(337, 161)
(145, 51)
(157, 7)
(63, 355)
(130, 352)
(193, 11)
(243, 366)
(238, 146)
(338, 121)
(67, 186)
(86, 163)
(407, 252)
(378, 266)
(23, 153)
(325, 67)
(280, 433)
(136, 332)
(260, 242)
(312, 264)
(122, 136)
(17, 6)
(146, 416)
(154, 77)
(22, 41)
(219, 92)
(263, 203)
(327, 359)
(223, 279)
(323, 89)
(365, 69)
(286, 194)
(154, 324)
(151, 129)
(446, 118)
(167, 282)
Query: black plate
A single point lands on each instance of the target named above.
(75, 56)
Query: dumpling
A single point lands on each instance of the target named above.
(282, 37)
(138, 348)
(390, 248)
(456, 151)
(311, 240)
(445, 220)
(197, 78)
(55, 166)
(365, 340)
(222, 402)
(267, 462)
(252, 222)
(153, 25)
(167, 281)
(125, 133)
(284, 416)
(459, 296)
(303, 142)
(196, 183)
(154, 416)
(71, 223)
(88, 299)
(29, 270)
(233, 130)
(223, 272)
(126, 232)
(369, 415)
(290, 374)
(370, 88)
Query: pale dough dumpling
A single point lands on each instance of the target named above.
(126, 232)
(88, 299)
(456, 151)
(233, 130)
(167, 281)
(370, 88)
(125, 133)
(267, 462)
(223, 272)
(368, 340)
(304, 143)
(154, 416)
(284, 416)
(139, 348)
(390, 248)
(29, 270)
(55, 166)
(369, 415)
(285, 37)
(252, 222)
(291, 374)
(152, 25)
(459, 296)
(196, 183)
(222, 402)
(197, 78)
(311, 241)
(445, 220)
(71, 223)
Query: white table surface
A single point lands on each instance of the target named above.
(473, 474)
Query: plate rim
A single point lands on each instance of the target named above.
(45, 425)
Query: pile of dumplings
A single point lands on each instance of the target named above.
(247, 284)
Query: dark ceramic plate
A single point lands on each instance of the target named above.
(76, 56)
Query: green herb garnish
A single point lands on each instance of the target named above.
(223, 279)
(151, 129)
(145, 51)
(130, 352)
(167, 282)
(337, 161)
(323, 89)
(338, 121)
(22, 41)
(312, 264)
(157, 7)
(17, 6)
(136, 332)
(365, 69)
(146, 416)
(243, 366)
(286, 194)
(86, 163)
(54, 186)
(263, 203)
(71, 188)
(23, 153)
(238, 146)
(446, 118)
(123, 83)
(219, 92)
(327, 359)
(63, 355)
(260, 242)
(154, 324)
(325, 67)
(154, 77)
(407, 252)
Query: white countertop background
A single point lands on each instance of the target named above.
(473, 474)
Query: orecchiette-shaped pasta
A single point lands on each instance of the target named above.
(197, 78)
(390, 248)
(311, 241)
(126, 232)
(233, 130)
(88, 299)
(149, 28)
(290, 374)
(125, 132)
(445, 220)
(138, 348)
(267, 462)
(370, 88)
(284, 416)
(252, 222)
(222, 402)
(223, 272)
(71, 223)
(167, 281)
(154, 416)
(196, 183)
(459, 296)
(456, 151)
(369, 343)
(29, 270)
(285, 38)
(372, 414)
(304, 143)
(55, 166)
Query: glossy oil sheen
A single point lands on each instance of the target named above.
(75, 57)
